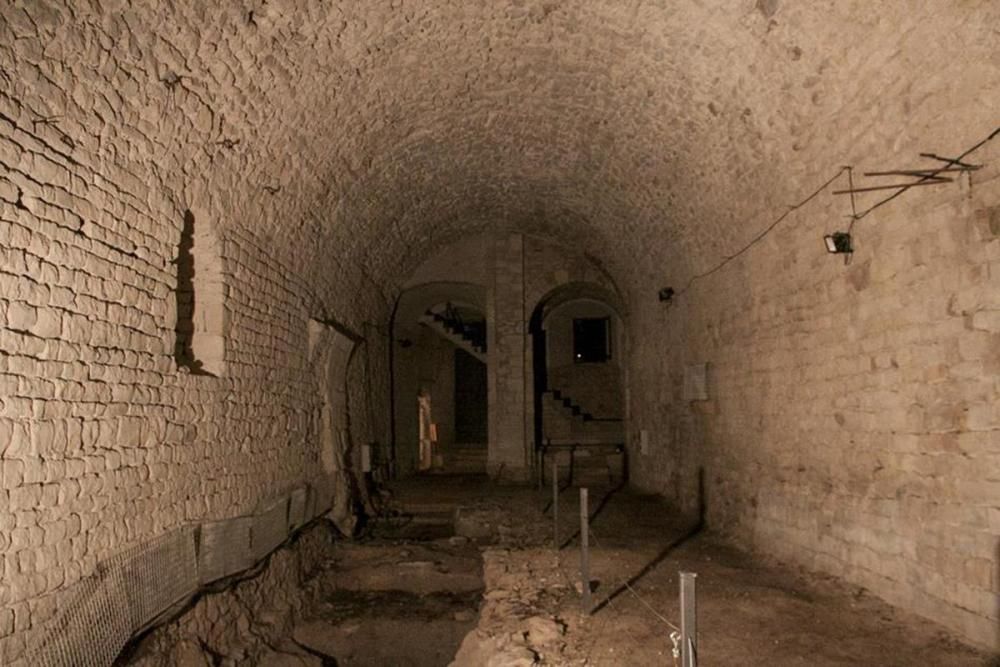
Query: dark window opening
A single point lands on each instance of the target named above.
(591, 340)
(199, 344)
(184, 330)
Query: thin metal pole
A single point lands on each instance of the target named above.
(689, 620)
(540, 467)
(584, 551)
(555, 504)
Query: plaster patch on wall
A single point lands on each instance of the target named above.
(696, 382)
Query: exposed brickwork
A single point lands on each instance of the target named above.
(334, 146)
(853, 419)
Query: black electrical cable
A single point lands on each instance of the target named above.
(855, 217)
(757, 239)
(930, 174)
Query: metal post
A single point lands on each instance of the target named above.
(540, 467)
(689, 621)
(584, 551)
(555, 504)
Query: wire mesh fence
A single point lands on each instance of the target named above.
(127, 592)
(619, 583)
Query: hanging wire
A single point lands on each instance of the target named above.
(854, 210)
(610, 600)
(596, 635)
(625, 584)
(931, 174)
(759, 237)
(621, 584)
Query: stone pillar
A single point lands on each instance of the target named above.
(507, 331)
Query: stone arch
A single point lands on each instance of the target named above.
(422, 359)
(597, 299)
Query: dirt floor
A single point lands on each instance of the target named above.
(458, 571)
(750, 612)
(400, 601)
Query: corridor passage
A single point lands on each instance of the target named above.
(300, 299)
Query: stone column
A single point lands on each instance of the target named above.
(507, 336)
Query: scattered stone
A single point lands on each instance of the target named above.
(189, 654)
(497, 594)
(544, 631)
(471, 525)
(514, 656)
(289, 657)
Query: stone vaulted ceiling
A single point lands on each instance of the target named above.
(357, 136)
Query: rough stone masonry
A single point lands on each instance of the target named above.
(319, 151)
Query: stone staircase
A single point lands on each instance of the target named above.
(461, 335)
(575, 409)
(465, 459)
(564, 422)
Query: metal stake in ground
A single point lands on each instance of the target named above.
(689, 621)
(540, 467)
(555, 505)
(584, 551)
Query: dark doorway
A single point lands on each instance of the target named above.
(471, 406)
(539, 364)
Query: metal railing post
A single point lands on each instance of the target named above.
(555, 504)
(584, 551)
(689, 620)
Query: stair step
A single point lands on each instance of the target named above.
(456, 335)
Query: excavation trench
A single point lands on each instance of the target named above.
(463, 572)
(406, 595)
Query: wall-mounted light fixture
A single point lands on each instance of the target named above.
(838, 243)
(666, 294)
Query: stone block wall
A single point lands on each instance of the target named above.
(334, 147)
(506, 342)
(853, 420)
(106, 443)
(111, 135)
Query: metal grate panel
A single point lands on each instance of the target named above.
(91, 629)
(157, 574)
(324, 489)
(270, 528)
(224, 548)
(297, 509)
(101, 613)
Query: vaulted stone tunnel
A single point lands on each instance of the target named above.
(210, 214)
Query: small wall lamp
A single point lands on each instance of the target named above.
(838, 243)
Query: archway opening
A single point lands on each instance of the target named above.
(579, 348)
(440, 379)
